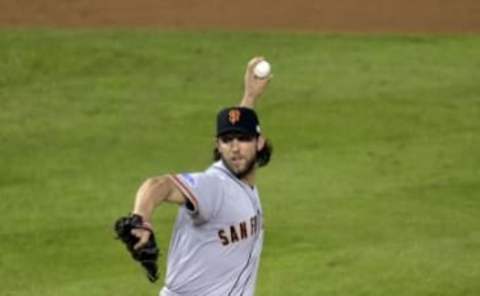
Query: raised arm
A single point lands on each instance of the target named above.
(254, 86)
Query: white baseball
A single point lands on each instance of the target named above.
(262, 69)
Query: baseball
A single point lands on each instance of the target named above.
(262, 69)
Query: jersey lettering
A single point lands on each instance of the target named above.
(223, 238)
(253, 225)
(238, 232)
(233, 234)
(243, 230)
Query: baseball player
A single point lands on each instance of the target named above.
(218, 235)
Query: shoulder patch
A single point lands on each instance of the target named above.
(189, 179)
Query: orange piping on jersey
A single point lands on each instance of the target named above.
(184, 189)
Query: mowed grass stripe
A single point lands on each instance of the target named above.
(373, 188)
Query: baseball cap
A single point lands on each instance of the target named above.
(238, 119)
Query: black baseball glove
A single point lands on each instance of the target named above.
(148, 254)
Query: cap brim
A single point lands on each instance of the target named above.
(236, 130)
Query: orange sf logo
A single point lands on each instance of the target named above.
(234, 116)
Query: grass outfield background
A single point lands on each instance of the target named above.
(373, 189)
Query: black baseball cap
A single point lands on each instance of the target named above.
(238, 119)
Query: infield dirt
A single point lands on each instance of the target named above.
(304, 15)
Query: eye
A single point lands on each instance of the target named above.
(240, 137)
(227, 138)
(244, 138)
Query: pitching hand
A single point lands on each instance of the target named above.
(254, 86)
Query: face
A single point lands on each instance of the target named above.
(239, 152)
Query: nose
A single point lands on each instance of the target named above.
(234, 145)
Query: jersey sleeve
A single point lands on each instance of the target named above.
(203, 191)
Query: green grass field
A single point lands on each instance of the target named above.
(374, 187)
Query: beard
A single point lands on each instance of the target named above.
(250, 166)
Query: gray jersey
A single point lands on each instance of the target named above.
(215, 247)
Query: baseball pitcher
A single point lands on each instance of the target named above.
(217, 239)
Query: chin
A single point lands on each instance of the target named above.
(236, 170)
(240, 173)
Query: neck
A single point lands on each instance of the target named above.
(249, 179)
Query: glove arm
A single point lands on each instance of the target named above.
(153, 192)
(140, 242)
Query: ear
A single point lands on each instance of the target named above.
(260, 143)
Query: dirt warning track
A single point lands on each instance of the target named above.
(445, 16)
